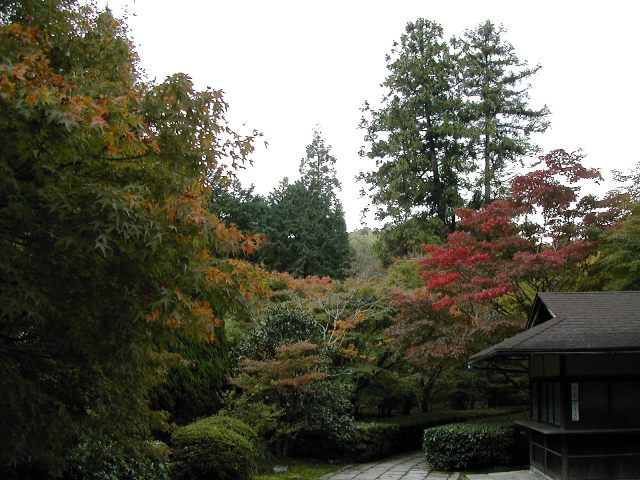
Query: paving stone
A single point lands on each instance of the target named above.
(522, 474)
(412, 467)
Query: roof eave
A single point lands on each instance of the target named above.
(523, 353)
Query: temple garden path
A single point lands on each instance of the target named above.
(413, 467)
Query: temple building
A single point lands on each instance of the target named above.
(583, 352)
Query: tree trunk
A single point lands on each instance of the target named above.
(487, 171)
(437, 191)
(427, 388)
(407, 404)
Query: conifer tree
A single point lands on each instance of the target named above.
(415, 136)
(238, 205)
(494, 82)
(306, 230)
(317, 168)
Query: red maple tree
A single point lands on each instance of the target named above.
(533, 240)
(479, 284)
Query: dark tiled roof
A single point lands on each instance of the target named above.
(581, 322)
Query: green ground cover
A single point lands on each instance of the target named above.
(296, 470)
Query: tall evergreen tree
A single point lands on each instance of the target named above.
(415, 135)
(283, 227)
(317, 168)
(494, 82)
(238, 205)
(306, 230)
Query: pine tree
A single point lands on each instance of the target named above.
(496, 104)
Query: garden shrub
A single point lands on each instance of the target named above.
(464, 446)
(320, 410)
(191, 389)
(384, 437)
(262, 417)
(281, 325)
(103, 461)
(286, 374)
(209, 450)
(235, 425)
(386, 392)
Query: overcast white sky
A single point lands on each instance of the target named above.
(286, 66)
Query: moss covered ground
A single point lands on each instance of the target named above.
(296, 470)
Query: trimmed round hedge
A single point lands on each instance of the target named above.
(463, 446)
(211, 450)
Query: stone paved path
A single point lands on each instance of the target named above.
(412, 467)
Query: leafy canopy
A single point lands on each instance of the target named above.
(535, 240)
(106, 245)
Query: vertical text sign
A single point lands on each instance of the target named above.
(575, 403)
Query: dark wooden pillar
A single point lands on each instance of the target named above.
(565, 388)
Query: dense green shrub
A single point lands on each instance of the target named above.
(235, 425)
(475, 445)
(385, 392)
(262, 417)
(211, 451)
(281, 325)
(103, 461)
(317, 408)
(384, 437)
(192, 388)
(288, 376)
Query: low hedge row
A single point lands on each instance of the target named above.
(465, 446)
(383, 437)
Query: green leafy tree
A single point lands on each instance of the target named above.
(282, 367)
(494, 82)
(615, 266)
(366, 263)
(106, 244)
(415, 136)
(617, 263)
(405, 239)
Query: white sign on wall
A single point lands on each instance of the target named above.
(575, 403)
